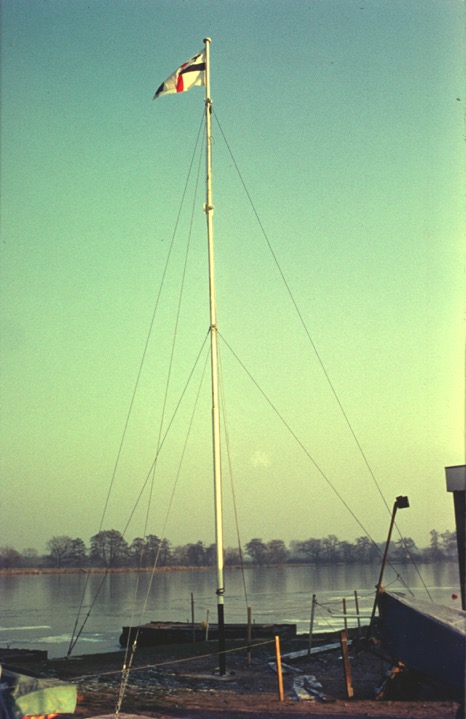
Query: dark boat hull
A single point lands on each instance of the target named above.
(156, 633)
(428, 638)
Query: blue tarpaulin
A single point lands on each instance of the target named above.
(27, 696)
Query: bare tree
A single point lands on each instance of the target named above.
(277, 552)
(109, 548)
(59, 549)
(330, 546)
(257, 551)
(312, 549)
(9, 557)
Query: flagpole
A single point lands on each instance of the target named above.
(209, 210)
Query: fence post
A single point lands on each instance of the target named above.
(249, 635)
(346, 664)
(356, 602)
(192, 617)
(311, 625)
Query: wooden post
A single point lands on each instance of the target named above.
(356, 602)
(249, 635)
(281, 695)
(311, 625)
(207, 626)
(345, 619)
(346, 664)
(192, 617)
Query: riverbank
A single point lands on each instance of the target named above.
(12, 571)
(180, 681)
(99, 570)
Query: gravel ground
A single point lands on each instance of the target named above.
(181, 682)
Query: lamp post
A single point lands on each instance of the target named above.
(400, 503)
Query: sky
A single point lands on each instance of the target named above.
(345, 119)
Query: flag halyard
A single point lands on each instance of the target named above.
(188, 75)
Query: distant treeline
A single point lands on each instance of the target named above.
(109, 549)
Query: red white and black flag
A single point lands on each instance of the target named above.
(190, 73)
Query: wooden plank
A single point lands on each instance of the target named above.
(314, 650)
(346, 664)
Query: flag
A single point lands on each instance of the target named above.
(190, 73)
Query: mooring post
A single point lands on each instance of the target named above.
(346, 664)
(249, 635)
(311, 624)
(192, 618)
(281, 694)
(356, 603)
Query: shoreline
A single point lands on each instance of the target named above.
(98, 570)
(14, 571)
(181, 681)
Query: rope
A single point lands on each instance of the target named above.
(176, 324)
(302, 321)
(127, 665)
(232, 485)
(171, 662)
(319, 358)
(76, 633)
(300, 443)
(128, 662)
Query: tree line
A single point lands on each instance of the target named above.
(109, 549)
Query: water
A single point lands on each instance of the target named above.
(38, 611)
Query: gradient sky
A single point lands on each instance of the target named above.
(345, 119)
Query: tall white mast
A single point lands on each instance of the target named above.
(209, 210)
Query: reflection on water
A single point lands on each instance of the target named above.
(39, 610)
(263, 582)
